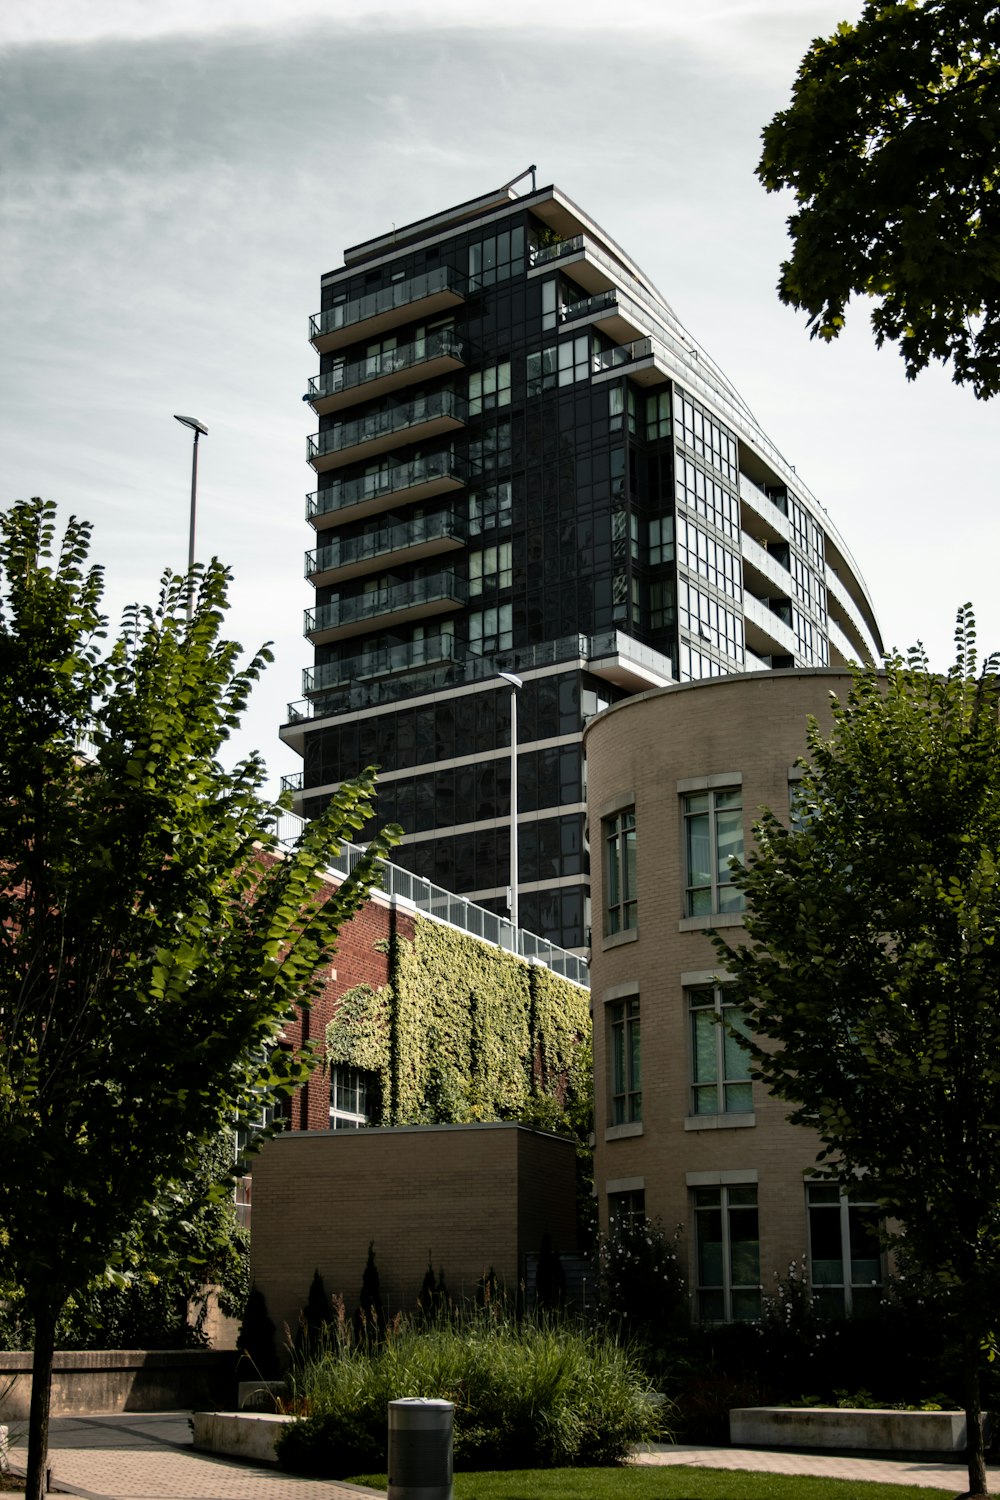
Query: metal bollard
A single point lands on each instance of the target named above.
(420, 1449)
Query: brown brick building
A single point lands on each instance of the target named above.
(676, 778)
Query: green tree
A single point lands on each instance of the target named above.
(892, 147)
(154, 939)
(871, 971)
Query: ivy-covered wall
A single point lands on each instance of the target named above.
(463, 1031)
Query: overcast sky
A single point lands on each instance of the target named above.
(177, 176)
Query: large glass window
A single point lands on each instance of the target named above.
(560, 364)
(348, 1098)
(720, 1067)
(489, 388)
(728, 1254)
(713, 835)
(490, 508)
(620, 903)
(704, 554)
(626, 1062)
(658, 415)
(845, 1255)
(491, 629)
(498, 257)
(698, 430)
(490, 569)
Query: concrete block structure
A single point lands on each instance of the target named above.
(676, 779)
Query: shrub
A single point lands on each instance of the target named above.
(525, 1396)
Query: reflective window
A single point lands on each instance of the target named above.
(845, 1253)
(626, 1061)
(728, 1254)
(489, 388)
(704, 435)
(713, 835)
(498, 257)
(720, 1067)
(620, 896)
(348, 1098)
(490, 569)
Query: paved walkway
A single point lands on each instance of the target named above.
(150, 1457)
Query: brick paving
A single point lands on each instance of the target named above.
(149, 1457)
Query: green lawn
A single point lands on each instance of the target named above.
(666, 1483)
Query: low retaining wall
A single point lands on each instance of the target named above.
(121, 1380)
(239, 1434)
(837, 1427)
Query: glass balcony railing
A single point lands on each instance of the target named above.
(392, 480)
(441, 282)
(599, 302)
(389, 661)
(441, 405)
(293, 782)
(417, 594)
(422, 531)
(443, 345)
(442, 662)
(542, 254)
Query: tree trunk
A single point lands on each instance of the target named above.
(41, 1393)
(975, 1455)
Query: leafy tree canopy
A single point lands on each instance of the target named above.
(871, 974)
(892, 147)
(154, 939)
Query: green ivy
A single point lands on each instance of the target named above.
(463, 1031)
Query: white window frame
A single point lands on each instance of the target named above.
(348, 1087)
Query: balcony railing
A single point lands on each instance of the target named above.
(599, 302)
(443, 409)
(341, 324)
(389, 661)
(456, 911)
(390, 367)
(442, 662)
(420, 596)
(417, 536)
(431, 474)
(542, 254)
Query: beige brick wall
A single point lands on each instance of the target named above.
(754, 726)
(474, 1196)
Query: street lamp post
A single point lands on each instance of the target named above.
(515, 686)
(197, 428)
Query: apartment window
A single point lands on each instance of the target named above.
(490, 508)
(705, 555)
(728, 1254)
(490, 569)
(491, 449)
(720, 1067)
(707, 620)
(560, 364)
(550, 316)
(845, 1255)
(626, 1208)
(620, 904)
(661, 540)
(491, 630)
(489, 388)
(626, 1062)
(713, 835)
(662, 603)
(348, 1098)
(498, 257)
(658, 416)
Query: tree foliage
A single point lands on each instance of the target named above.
(871, 977)
(154, 939)
(892, 147)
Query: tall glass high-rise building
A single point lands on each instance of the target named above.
(524, 463)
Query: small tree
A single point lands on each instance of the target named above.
(154, 939)
(371, 1312)
(871, 977)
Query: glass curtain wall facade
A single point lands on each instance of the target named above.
(524, 463)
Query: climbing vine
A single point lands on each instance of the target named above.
(463, 1031)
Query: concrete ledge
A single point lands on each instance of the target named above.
(107, 1381)
(249, 1435)
(835, 1427)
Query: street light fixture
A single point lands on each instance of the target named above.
(515, 686)
(197, 428)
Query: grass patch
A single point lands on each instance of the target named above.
(670, 1482)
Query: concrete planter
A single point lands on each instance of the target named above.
(833, 1427)
(121, 1380)
(249, 1435)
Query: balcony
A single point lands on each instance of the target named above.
(390, 546)
(766, 633)
(612, 312)
(390, 661)
(411, 422)
(382, 609)
(380, 374)
(403, 302)
(397, 484)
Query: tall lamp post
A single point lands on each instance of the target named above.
(515, 686)
(197, 428)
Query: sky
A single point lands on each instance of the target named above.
(175, 178)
